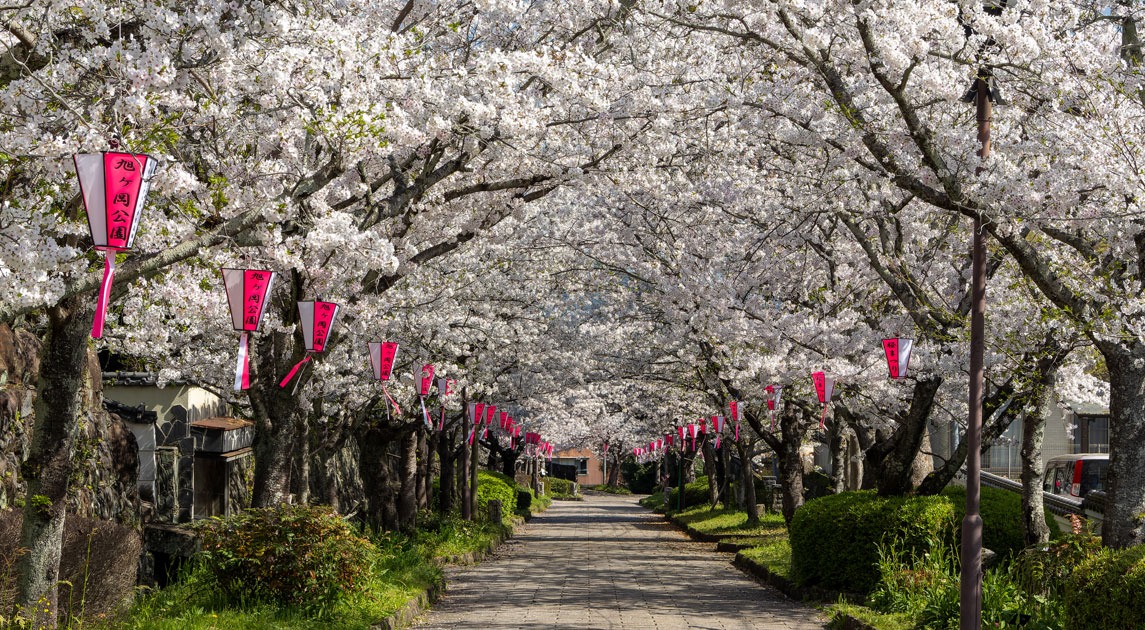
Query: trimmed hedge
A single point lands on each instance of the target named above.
(494, 485)
(835, 539)
(559, 488)
(1001, 519)
(1105, 591)
(695, 493)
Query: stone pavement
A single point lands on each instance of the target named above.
(606, 562)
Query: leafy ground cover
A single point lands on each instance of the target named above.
(402, 567)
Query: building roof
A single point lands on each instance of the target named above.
(219, 422)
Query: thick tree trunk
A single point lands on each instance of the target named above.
(408, 478)
(446, 486)
(377, 480)
(689, 466)
(614, 474)
(792, 428)
(1034, 527)
(747, 479)
(710, 472)
(1124, 522)
(837, 443)
(896, 470)
(275, 409)
(509, 462)
(59, 404)
(724, 473)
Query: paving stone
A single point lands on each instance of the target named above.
(608, 563)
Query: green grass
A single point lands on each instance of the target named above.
(731, 522)
(409, 565)
(610, 489)
(654, 502)
(879, 621)
(775, 555)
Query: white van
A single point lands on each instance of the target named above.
(1075, 475)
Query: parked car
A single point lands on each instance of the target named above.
(1076, 475)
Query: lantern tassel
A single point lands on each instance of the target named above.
(397, 409)
(823, 419)
(104, 294)
(242, 366)
(441, 423)
(294, 370)
(737, 432)
(472, 434)
(425, 414)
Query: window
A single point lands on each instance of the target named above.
(582, 467)
(1091, 434)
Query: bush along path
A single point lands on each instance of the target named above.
(305, 567)
(891, 563)
(604, 562)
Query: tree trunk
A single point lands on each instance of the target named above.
(792, 428)
(1034, 527)
(710, 472)
(613, 474)
(408, 478)
(300, 475)
(59, 403)
(473, 466)
(424, 468)
(446, 487)
(376, 471)
(274, 409)
(463, 478)
(747, 479)
(897, 467)
(1124, 522)
(724, 473)
(837, 438)
(509, 462)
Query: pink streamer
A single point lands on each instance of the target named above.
(104, 294)
(472, 435)
(397, 409)
(242, 366)
(294, 370)
(737, 432)
(425, 413)
(441, 423)
(823, 418)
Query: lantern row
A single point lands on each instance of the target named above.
(897, 351)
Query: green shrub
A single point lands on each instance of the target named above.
(1001, 512)
(1044, 570)
(290, 555)
(641, 478)
(695, 493)
(524, 499)
(558, 488)
(835, 539)
(495, 485)
(1106, 590)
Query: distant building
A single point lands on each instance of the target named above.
(589, 469)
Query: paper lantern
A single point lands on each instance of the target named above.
(382, 356)
(774, 393)
(824, 387)
(114, 188)
(898, 355)
(247, 293)
(317, 321)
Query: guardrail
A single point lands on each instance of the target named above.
(1092, 507)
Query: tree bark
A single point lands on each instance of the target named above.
(380, 512)
(408, 478)
(300, 474)
(424, 469)
(837, 438)
(1124, 522)
(274, 409)
(1034, 527)
(747, 476)
(463, 477)
(58, 406)
(446, 486)
(473, 466)
(792, 428)
(613, 474)
(710, 472)
(724, 473)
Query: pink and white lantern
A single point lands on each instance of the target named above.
(382, 357)
(774, 394)
(898, 350)
(718, 427)
(247, 293)
(824, 388)
(317, 319)
(114, 188)
(426, 384)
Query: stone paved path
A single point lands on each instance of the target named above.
(606, 562)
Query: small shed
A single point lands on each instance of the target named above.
(222, 465)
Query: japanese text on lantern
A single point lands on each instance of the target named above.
(891, 347)
(254, 289)
(123, 180)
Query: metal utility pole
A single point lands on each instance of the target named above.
(970, 606)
